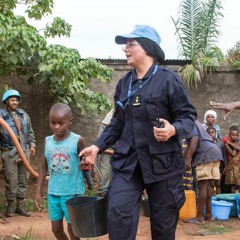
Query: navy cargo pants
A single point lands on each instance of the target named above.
(165, 200)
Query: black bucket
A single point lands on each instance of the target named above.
(88, 216)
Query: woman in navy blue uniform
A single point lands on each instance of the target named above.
(152, 115)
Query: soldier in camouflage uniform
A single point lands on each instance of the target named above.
(103, 161)
(15, 172)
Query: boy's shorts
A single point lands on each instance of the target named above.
(208, 171)
(57, 208)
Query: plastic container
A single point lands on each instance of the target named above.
(214, 209)
(221, 209)
(189, 208)
(214, 198)
(88, 216)
(230, 197)
(238, 204)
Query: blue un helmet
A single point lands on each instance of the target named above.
(11, 93)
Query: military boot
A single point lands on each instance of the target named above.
(10, 209)
(20, 208)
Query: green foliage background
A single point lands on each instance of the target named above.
(24, 51)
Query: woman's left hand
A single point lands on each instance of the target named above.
(163, 134)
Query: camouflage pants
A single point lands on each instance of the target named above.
(16, 175)
(105, 172)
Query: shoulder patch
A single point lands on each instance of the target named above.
(108, 118)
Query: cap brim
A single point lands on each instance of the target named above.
(121, 39)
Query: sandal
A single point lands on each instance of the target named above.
(195, 221)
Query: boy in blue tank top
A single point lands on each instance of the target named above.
(61, 161)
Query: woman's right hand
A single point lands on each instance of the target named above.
(163, 134)
(90, 154)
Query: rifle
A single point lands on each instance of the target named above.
(18, 123)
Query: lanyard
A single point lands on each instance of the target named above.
(130, 92)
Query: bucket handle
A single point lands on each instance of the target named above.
(99, 174)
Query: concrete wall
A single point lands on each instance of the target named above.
(221, 86)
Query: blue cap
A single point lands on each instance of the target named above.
(140, 31)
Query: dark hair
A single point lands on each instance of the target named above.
(152, 49)
(234, 128)
(211, 128)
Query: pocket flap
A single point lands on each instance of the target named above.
(163, 147)
(123, 146)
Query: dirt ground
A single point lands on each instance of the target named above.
(17, 227)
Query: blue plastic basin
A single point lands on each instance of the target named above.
(231, 198)
(221, 209)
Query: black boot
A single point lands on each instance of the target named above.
(10, 209)
(20, 209)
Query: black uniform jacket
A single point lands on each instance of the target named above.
(160, 93)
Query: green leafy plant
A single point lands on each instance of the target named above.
(24, 51)
(57, 28)
(236, 64)
(197, 30)
(233, 56)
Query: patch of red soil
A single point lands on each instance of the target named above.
(40, 225)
